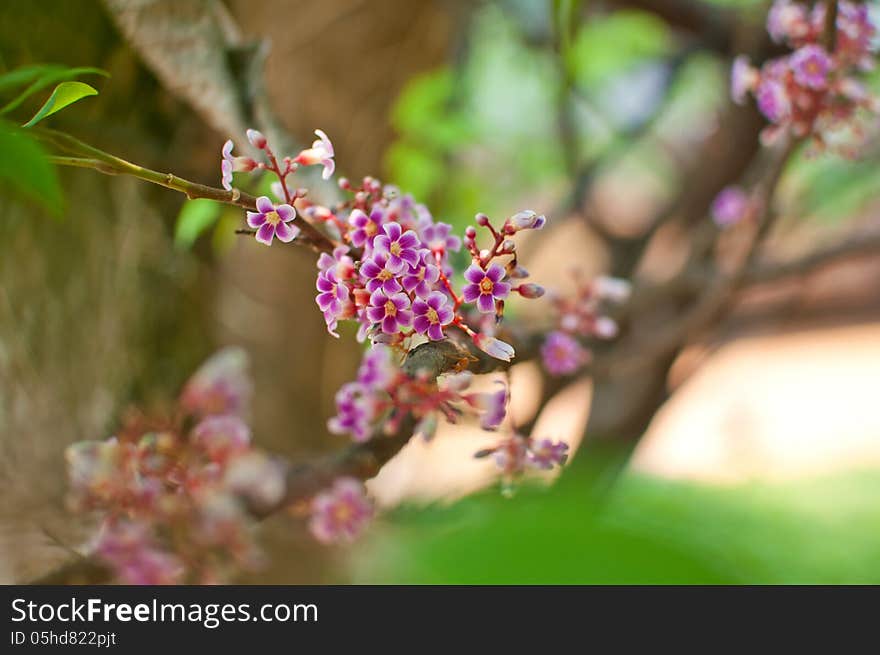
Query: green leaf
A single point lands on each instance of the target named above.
(25, 169)
(46, 76)
(195, 217)
(24, 74)
(64, 94)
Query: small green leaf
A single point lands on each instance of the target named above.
(64, 94)
(46, 76)
(24, 74)
(195, 217)
(25, 169)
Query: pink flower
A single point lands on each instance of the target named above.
(376, 275)
(222, 437)
(128, 548)
(231, 164)
(787, 20)
(437, 238)
(354, 412)
(392, 311)
(401, 248)
(743, 79)
(321, 152)
(341, 513)
(730, 206)
(365, 227)
(773, 100)
(332, 298)
(491, 405)
(811, 65)
(562, 354)
(419, 279)
(432, 315)
(485, 286)
(257, 139)
(220, 386)
(272, 220)
(545, 454)
(377, 370)
(511, 456)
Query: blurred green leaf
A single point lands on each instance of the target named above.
(49, 76)
(608, 46)
(414, 169)
(424, 111)
(25, 169)
(24, 74)
(64, 94)
(194, 219)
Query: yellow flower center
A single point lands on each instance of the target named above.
(370, 228)
(342, 513)
(390, 309)
(384, 275)
(486, 285)
(395, 249)
(272, 218)
(432, 316)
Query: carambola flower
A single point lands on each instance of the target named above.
(485, 286)
(401, 248)
(376, 275)
(365, 227)
(321, 152)
(272, 220)
(562, 354)
(730, 206)
(341, 513)
(392, 312)
(432, 314)
(545, 453)
(810, 66)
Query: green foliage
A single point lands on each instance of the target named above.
(40, 77)
(25, 169)
(831, 188)
(195, 218)
(647, 531)
(610, 45)
(64, 94)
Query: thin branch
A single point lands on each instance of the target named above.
(90, 157)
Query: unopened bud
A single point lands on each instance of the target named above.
(481, 219)
(531, 290)
(257, 139)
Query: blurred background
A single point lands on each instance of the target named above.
(759, 463)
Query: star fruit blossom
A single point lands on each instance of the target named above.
(813, 92)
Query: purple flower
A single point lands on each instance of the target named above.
(377, 370)
(431, 315)
(341, 513)
(393, 311)
(527, 220)
(365, 227)
(376, 275)
(485, 286)
(562, 354)
(437, 237)
(773, 100)
(222, 437)
(491, 405)
(321, 152)
(743, 78)
(545, 454)
(401, 247)
(220, 386)
(332, 298)
(354, 412)
(730, 206)
(132, 554)
(419, 279)
(272, 220)
(810, 66)
(511, 456)
(786, 20)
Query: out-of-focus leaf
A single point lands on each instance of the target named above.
(25, 74)
(424, 112)
(832, 188)
(194, 219)
(47, 76)
(608, 46)
(25, 169)
(414, 169)
(64, 94)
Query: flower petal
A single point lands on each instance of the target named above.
(265, 205)
(286, 212)
(266, 233)
(286, 233)
(486, 303)
(255, 219)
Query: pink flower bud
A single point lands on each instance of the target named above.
(605, 328)
(482, 220)
(495, 347)
(257, 139)
(470, 232)
(531, 290)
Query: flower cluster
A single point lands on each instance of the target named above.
(578, 317)
(341, 513)
(813, 90)
(174, 498)
(383, 396)
(517, 454)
